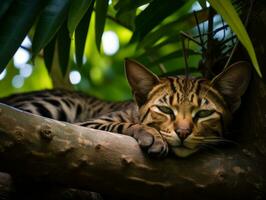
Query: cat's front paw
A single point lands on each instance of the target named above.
(149, 140)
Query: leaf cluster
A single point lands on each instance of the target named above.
(155, 27)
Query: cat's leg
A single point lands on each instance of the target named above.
(149, 139)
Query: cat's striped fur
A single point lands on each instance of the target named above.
(178, 112)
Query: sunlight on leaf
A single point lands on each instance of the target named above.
(154, 14)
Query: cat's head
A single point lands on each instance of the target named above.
(190, 113)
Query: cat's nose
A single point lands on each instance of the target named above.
(183, 133)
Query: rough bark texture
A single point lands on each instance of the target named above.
(43, 149)
(5, 185)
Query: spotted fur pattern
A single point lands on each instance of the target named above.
(179, 113)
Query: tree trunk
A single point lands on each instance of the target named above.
(253, 114)
(43, 149)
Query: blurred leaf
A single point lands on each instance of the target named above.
(174, 40)
(63, 44)
(174, 55)
(168, 41)
(18, 20)
(127, 19)
(185, 22)
(48, 54)
(181, 71)
(77, 10)
(4, 5)
(229, 14)
(81, 34)
(128, 5)
(49, 23)
(101, 11)
(153, 15)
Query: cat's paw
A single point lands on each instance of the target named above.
(149, 140)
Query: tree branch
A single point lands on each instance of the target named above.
(44, 149)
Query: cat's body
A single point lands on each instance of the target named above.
(178, 113)
(64, 105)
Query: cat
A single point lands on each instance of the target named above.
(176, 113)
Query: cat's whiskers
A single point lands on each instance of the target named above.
(220, 139)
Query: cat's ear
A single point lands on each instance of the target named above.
(233, 82)
(140, 79)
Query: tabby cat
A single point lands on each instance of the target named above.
(176, 112)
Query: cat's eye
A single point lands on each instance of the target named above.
(204, 113)
(165, 110)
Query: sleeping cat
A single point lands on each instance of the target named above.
(175, 113)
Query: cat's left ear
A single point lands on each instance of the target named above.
(233, 82)
(140, 79)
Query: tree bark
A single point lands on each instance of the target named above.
(43, 149)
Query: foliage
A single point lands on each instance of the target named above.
(70, 31)
(228, 12)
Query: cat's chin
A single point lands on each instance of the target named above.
(183, 151)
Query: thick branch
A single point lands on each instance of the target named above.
(44, 149)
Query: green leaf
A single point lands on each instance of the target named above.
(172, 41)
(129, 5)
(153, 15)
(77, 10)
(4, 5)
(81, 34)
(15, 26)
(229, 14)
(174, 55)
(63, 48)
(48, 54)
(167, 42)
(173, 28)
(127, 18)
(49, 23)
(101, 11)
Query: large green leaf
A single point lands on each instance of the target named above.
(14, 27)
(173, 28)
(229, 14)
(101, 11)
(48, 54)
(81, 34)
(77, 10)
(63, 48)
(49, 23)
(153, 15)
(4, 5)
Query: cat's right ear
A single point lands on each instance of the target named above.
(233, 82)
(140, 79)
